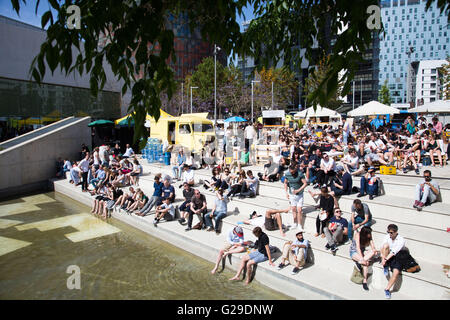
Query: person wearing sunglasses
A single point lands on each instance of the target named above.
(393, 243)
(427, 191)
(337, 228)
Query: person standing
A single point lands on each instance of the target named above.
(84, 168)
(181, 160)
(296, 182)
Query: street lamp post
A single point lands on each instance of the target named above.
(191, 96)
(182, 97)
(253, 81)
(216, 49)
(272, 95)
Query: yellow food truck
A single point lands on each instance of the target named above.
(191, 130)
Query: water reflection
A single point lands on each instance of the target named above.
(128, 264)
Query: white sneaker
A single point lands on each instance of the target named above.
(295, 226)
(299, 227)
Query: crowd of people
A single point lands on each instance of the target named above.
(324, 158)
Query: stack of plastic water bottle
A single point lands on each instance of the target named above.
(153, 151)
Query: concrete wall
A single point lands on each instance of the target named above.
(28, 166)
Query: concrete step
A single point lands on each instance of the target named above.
(433, 276)
(400, 185)
(313, 282)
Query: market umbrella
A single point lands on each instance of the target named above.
(438, 106)
(235, 119)
(99, 123)
(319, 112)
(373, 108)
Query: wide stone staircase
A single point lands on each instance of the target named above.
(328, 277)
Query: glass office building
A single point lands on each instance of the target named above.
(411, 34)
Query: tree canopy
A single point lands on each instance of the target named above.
(384, 95)
(138, 41)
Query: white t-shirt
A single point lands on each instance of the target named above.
(353, 161)
(394, 245)
(101, 153)
(327, 164)
(128, 152)
(170, 207)
(276, 159)
(96, 158)
(250, 132)
(188, 175)
(84, 165)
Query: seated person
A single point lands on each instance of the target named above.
(234, 244)
(216, 180)
(155, 199)
(351, 163)
(188, 193)
(188, 175)
(336, 230)
(249, 186)
(236, 184)
(198, 207)
(295, 252)
(407, 153)
(369, 182)
(124, 198)
(342, 183)
(363, 240)
(219, 211)
(260, 255)
(165, 211)
(245, 158)
(392, 245)
(360, 216)
(427, 191)
(326, 206)
(168, 191)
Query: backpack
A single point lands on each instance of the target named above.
(357, 276)
(309, 255)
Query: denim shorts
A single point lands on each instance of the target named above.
(257, 256)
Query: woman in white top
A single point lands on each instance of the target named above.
(327, 170)
(351, 163)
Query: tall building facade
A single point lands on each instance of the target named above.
(424, 83)
(411, 34)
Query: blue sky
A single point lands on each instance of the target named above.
(27, 13)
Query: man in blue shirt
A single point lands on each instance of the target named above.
(178, 169)
(168, 191)
(342, 183)
(337, 228)
(100, 175)
(155, 200)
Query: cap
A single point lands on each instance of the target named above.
(371, 169)
(238, 230)
(299, 230)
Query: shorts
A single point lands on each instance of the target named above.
(134, 174)
(226, 246)
(257, 256)
(296, 200)
(168, 216)
(271, 224)
(373, 157)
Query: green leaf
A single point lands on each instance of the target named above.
(45, 18)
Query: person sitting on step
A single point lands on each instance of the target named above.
(427, 191)
(295, 252)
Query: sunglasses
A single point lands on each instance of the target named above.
(391, 232)
(338, 211)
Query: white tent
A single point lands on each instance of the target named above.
(372, 108)
(319, 112)
(438, 106)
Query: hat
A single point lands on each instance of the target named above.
(371, 169)
(238, 230)
(300, 230)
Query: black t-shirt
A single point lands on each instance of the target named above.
(188, 194)
(327, 204)
(198, 202)
(117, 193)
(261, 243)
